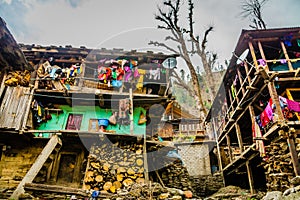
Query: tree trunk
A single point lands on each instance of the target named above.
(209, 76)
(195, 81)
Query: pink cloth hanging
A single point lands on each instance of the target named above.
(293, 105)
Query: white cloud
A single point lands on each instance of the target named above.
(92, 22)
(6, 1)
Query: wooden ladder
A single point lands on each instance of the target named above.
(53, 143)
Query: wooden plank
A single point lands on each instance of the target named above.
(14, 107)
(250, 178)
(37, 165)
(2, 86)
(3, 105)
(6, 109)
(55, 188)
(5, 99)
(27, 109)
(21, 110)
(18, 115)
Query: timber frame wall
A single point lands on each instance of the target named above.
(269, 70)
(71, 144)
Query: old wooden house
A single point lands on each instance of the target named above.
(78, 120)
(255, 116)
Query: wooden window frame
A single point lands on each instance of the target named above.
(67, 119)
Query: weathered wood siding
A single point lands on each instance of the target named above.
(13, 106)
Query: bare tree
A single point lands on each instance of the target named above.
(184, 37)
(253, 10)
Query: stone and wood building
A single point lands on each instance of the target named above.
(255, 115)
(75, 120)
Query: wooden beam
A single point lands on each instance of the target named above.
(55, 188)
(146, 168)
(250, 178)
(253, 53)
(229, 148)
(131, 111)
(290, 78)
(240, 80)
(286, 56)
(160, 180)
(247, 72)
(239, 137)
(263, 55)
(275, 100)
(86, 170)
(37, 165)
(294, 156)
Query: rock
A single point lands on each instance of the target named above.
(292, 196)
(176, 198)
(274, 195)
(288, 191)
(164, 196)
(291, 190)
(188, 194)
(295, 181)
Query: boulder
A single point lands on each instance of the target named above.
(274, 195)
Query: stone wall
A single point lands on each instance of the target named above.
(196, 158)
(15, 161)
(207, 185)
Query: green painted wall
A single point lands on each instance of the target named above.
(59, 119)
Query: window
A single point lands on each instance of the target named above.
(74, 121)
(93, 125)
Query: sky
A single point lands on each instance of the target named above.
(130, 24)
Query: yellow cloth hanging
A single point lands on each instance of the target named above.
(39, 108)
(140, 83)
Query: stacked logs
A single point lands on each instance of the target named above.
(114, 166)
(278, 165)
(176, 175)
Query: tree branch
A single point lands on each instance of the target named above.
(204, 41)
(158, 44)
(182, 84)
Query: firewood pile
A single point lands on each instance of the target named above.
(16, 78)
(114, 166)
(176, 175)
(278, 165)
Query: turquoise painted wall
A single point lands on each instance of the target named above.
(59, 119)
